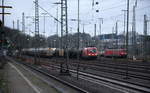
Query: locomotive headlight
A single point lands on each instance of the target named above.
(123, 53)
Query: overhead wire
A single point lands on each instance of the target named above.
(113, 7)
(139, 9)
(51, 16)
(101, 10)
(107, 8)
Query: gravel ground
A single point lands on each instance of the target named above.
(3, 80)
(87, 85)
(44, 83)
(30, 84)
(94, 88)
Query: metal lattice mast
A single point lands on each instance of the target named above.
(64, 29)
(36, 29)
(64, 24)
(36, 18)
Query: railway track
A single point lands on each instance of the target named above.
(119, 67)
(51, 76)
(104, 70)
(133, 74)
(108, 68)
(117, 62)
(120, 63)
(94, 78)
(121, 74)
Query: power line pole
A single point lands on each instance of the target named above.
(83, 32)
(36, 29)
(100, 30)
(64, 28)
(2, 33)
(44, 26)
(95, 34)
(63, 17)
(134, 30)
(2, 24)
(83, 28)
(145, 25)
(116, 28)
(125, 11)
(44, 19)
(23, 22)
(18, 24)
(113, 37)
(3, 11)
(57, 21)
(13, 24)
(127, 27)
(145, 36)
(57, 28)
(78, 67)
(23, 27)
(36, 18)
(95, 30)
(127, 38)
(60, 40)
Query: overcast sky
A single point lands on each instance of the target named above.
(109, 10)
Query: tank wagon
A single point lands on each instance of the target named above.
(88, 52)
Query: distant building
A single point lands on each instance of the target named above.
(112, 41)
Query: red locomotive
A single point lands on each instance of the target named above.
(115, 53)
(89, 52)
